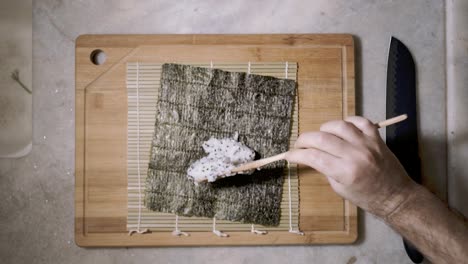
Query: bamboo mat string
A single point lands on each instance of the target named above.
(252, 229)
(138, 230)
(177, 231)
(291, 230)
(215, 231)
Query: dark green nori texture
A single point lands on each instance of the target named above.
(198, 103)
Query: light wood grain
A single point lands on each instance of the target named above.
(326, 91)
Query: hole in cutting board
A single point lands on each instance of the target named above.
(98, 57)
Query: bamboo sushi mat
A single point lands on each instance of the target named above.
(143, 82)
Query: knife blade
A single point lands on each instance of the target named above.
(402, 138)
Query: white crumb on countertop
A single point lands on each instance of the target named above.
(223, 155)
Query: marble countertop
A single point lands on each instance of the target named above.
(36, 192)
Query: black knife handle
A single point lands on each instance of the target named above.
(413, 252)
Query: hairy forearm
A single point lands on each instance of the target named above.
(431, 226)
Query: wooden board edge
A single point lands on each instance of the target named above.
(79, 196)
(349, 50)
(79, 156)
(166, 239)
(134, 40)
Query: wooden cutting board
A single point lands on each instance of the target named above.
(326, 91)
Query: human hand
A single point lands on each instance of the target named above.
(357, 164)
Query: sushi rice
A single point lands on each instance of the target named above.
(223, 155)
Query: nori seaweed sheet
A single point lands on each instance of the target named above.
(198, 103)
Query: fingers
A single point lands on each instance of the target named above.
(324, 141)
(345, 130)
(323, 162)
(366, 126)
(317, 159)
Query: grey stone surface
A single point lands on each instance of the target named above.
(36, 192)
(15, 94)
(457, 104)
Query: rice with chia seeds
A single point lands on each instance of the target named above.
(223, 155)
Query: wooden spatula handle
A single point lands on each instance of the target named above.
(259, 163)
(392, 121)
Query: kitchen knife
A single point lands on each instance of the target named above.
(402, 138)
